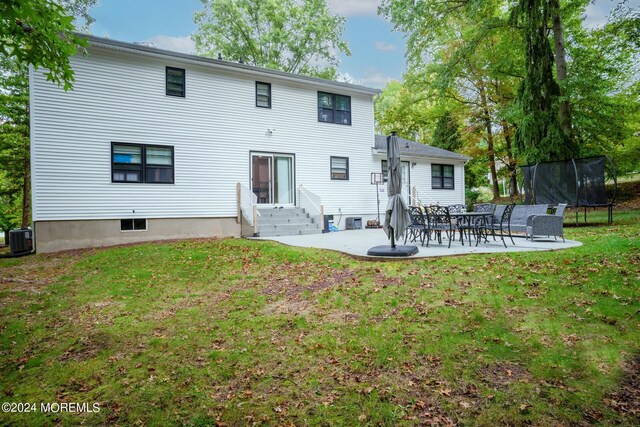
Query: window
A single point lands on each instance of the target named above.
(263, 95)
(158, 164)
(141, 163)
(334, 108)
(127, 163)
(340, 168)
(175, 82)
(442, 177)
(133, 224)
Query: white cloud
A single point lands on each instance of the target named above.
(354, 7)
(384, 46)
(372, 78)
(597, 15)
(377, 80)
(182, 44)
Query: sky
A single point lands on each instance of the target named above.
(377, 52)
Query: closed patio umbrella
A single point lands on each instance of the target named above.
(396, 219)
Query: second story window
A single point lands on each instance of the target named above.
(175, 80)
(334, 108)
(263, 95)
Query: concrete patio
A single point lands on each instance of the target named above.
(358, 242)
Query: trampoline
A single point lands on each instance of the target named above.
(579, 183)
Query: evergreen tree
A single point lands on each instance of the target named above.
(447, 133)
(539, 136)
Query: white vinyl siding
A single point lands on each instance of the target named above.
(120, 97)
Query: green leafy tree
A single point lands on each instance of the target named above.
(405, 110)
(604, 82)
(474, 62)
(40, 33)
(294, 36)
(14, 140)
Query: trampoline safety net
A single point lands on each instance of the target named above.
(576, 182)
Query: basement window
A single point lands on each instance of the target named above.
(133, 224)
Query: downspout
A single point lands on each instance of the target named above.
(533, 183)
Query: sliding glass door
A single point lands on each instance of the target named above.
(272, 178)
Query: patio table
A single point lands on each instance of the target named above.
(470, 219)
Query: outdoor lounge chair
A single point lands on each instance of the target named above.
(521, 213)
(547, 225)
(502, 226)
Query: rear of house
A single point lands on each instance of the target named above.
(153, 145)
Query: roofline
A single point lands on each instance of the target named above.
(223, 65)
(458, 157)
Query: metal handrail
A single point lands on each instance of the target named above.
(309, 200)
(429, 199)
(248, 201)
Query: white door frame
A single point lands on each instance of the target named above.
(292, 184)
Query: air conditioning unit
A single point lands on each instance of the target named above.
(21, 240)
(354, 223)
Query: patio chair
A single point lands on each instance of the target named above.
(481, 207)
(547, 225)
(440, 221)
(460, 223)
(503, 225)
(418, 227)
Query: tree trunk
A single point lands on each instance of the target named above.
(492, 156)
(26, 197)
(512, 164)
(561, 69)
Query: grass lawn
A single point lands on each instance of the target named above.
(238, 332)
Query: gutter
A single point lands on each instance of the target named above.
(104, 43)
(405, 155)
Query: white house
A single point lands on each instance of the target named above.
(153, 144)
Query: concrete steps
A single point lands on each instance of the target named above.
(286, 222)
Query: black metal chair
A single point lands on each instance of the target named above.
(418, 227)
(477, 222)
(440, 221)
(491, 226)
(460, 223)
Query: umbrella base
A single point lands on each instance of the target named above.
(387, 250)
